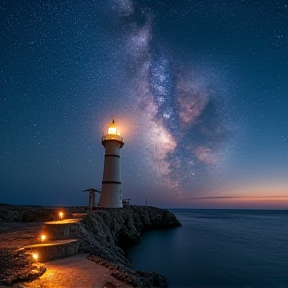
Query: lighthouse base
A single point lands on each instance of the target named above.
(111, 196)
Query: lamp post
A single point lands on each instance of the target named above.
(35, 256)
(91, 191)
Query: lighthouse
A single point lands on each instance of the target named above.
(111, 194)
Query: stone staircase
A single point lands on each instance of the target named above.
(59, 241)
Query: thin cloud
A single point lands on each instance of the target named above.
(234, 197)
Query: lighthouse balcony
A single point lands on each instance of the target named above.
(112, 137)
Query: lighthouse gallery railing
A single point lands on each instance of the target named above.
(112, 137)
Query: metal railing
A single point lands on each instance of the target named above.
(112, 137)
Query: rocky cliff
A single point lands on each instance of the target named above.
(107, 232)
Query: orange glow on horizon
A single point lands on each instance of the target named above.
(257, 202)
(251, 196)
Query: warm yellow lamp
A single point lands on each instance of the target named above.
(112, 129)
(35, 256)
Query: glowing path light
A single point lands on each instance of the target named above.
(35, 256)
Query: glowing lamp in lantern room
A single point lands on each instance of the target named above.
(112, 129)
(43, 237)
(61, 215)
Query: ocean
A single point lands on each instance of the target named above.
(218, 248)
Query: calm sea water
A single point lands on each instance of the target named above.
(218, 248)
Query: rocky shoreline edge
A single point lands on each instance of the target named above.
(104, 234)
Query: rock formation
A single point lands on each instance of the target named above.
(106, 233)
(20, 213)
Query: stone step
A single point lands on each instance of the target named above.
(62, 229)
(54, 249)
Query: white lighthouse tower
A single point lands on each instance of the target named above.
(111, 195)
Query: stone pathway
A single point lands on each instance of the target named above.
(76, 272)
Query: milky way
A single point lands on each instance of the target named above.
(182, 108)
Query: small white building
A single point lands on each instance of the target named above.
(111, 194)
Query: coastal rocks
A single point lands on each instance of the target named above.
(106, 232)
(14, 235)
(20, 266)
(130, 276)
(12, 213)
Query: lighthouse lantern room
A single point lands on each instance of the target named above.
(111, 194)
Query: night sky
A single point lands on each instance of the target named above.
(199, 90)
